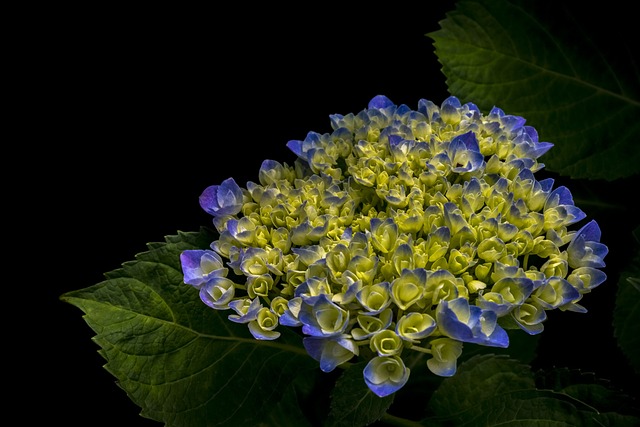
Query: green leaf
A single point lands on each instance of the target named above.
(586, 387)
(182, 362)
(536, 408)
(626, 314)
(287, 412)
(484, 375)
(495, 390)
(353, 404)
(534, 60)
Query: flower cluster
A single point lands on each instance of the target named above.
(399, 233)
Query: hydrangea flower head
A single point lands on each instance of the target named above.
(400, 231)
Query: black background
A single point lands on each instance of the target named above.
(143, 108)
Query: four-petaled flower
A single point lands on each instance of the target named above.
(386, 375)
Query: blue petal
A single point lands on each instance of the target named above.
(383, 385)
(546, 184)
(290, 316)
(223, 199)
(590, 232)
(296, 147)
(451, 101)
(330, 352)
(472, 107)
(223, 286)
(495, 111)
(314, 346)
(193, 261)
(428, 109)
(380, 102)
(540, 149)
(251, 314)
(559, 196)
(512, 123)
(314, 306)
(585, 249)
(449, 324)
(498, 338)
(469, 140)
(287, 319)
(261, 334)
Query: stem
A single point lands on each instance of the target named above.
(414, 359)
(420, 349)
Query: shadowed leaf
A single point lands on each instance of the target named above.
(352, 403)
(497, 391)
(182, 362)
(626, 315)
(535, 60)
(587, 387)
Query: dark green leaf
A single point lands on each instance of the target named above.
(626, 315)
(183, 363)
(532, 408)
(287, 412)
(534, 60)
(352, 403)
(487, 376)
(496, 391)
(586, 387)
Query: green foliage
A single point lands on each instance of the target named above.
(586, 387)
(183, 363)
(626, 316)
(495, 390)
(532, 60)
(186, 365)
(353, 404)
(287, 412)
